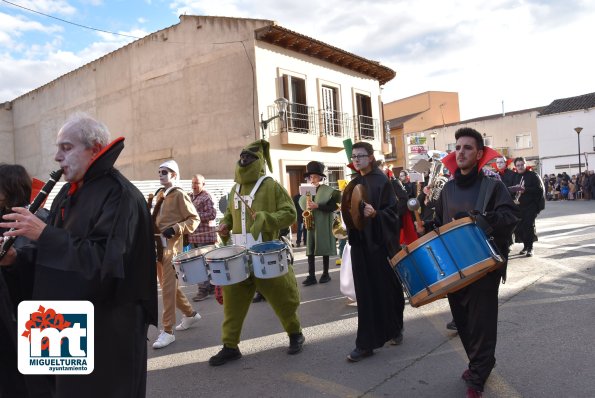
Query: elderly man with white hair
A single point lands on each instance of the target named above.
(96, 245)
(174, 215)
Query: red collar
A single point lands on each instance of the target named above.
(75, 185)
(450, 160)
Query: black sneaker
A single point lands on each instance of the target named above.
(310, 280)
(324, 278)
(451, 325)
(226, 354)
(358, 354)
(529, 253)
(258, 298)
(296, 341)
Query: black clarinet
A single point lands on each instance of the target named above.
(33, 207)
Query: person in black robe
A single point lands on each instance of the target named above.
(380, 301)
(16, 285)
(507, 176)
(98, 246)
(475, 307)
(529, 196)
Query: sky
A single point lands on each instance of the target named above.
(497, 54)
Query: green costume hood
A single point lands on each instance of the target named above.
(254, 170)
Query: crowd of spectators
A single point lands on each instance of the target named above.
(565, 187)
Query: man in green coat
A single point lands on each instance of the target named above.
(320, 239)
(271, 210)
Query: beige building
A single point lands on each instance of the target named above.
(512, 134)
(417, 113)
(198, 91)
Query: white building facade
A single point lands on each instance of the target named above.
(558, 138)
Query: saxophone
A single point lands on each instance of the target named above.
(307, 214)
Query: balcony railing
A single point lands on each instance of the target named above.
(367, 127)
(336, 124)
(304, 119)
(300, 119)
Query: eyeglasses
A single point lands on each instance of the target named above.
(357, 157)
(163, 172)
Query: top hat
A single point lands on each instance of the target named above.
(315, 167)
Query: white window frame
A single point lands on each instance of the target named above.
(519, 138)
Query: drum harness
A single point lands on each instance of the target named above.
(246, 200)
(485, 192)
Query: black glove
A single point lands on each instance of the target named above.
(168, 233)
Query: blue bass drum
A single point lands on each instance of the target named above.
(444, 261)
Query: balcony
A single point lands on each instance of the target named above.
(334, 128)
(300, 126)
(366, 129)
(327, 129)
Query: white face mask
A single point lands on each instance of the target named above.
(167, 178)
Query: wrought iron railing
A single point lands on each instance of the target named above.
(336, 124)
(300, 119)
(367, 127)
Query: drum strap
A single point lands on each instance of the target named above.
(248, 199)
(486, 190)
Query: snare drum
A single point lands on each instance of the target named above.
(269, 259)
(444, 261)
(228, 265)
(190, 266)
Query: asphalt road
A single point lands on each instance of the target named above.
(545, 335)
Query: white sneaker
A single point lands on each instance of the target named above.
(164, 340)
(188, 322)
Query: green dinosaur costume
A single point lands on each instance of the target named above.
(274, 210)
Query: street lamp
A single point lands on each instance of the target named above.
(578, 134)
(281, 104)
(433, 135)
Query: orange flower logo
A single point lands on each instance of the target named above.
(43, 319)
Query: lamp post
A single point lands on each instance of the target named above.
(433, 135)
(281, 104)
(578, 134)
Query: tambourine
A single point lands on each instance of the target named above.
(352, 206)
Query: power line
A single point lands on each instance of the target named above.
(69, 22)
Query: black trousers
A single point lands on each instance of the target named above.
(525, 230)
(475, 311)
(120, 356)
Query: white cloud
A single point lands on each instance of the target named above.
(525, 53)
(47, 6)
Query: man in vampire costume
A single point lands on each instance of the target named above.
(380, 301)
(531, 201)
(273, 210)
(475, 307)
(98, 246)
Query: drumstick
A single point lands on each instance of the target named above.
(252, 213)
(413, 205)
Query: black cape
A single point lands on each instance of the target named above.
(99, 246)
(379, 294)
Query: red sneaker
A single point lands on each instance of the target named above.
(473, 393)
